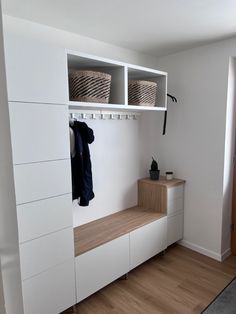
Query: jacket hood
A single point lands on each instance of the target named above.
(85, 131)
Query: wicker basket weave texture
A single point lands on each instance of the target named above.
(89, 86)
(142, 93)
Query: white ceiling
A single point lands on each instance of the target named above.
(154, 27)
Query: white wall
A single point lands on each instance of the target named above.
(194, 146)
(115, 153)
(9, 254)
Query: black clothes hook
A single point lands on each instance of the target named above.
(165, 116)
(172, 97)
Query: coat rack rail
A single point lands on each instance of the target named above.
(103, 115)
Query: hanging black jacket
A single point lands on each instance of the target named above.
(82, 183)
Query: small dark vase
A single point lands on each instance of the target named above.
(154, 174)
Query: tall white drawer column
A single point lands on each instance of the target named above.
(42, 174)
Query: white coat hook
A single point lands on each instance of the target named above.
(128, 117)
(102, 116)
(94, 116)
(71, 119)
(135, 117)
(119, 117)
(112, 116)
(84, 116)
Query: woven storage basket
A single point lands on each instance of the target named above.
(89, 86)
(142, 93)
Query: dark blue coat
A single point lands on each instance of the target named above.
(82, 183)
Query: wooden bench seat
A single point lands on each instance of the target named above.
(98, 232)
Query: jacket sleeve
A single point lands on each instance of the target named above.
(90, 135)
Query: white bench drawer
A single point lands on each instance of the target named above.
(42, 180)
(175, 192)
(175, 205)
(147, 241)
(39, 218)
(100, 266)
(45, 252)
(50, 292)
(174, 228)
(39, 132)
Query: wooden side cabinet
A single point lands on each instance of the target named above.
(167, 197)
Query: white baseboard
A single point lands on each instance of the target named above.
(225, 254)
(202, 250)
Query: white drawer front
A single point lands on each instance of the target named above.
(42, 180)
(39, 218)
(147, 241)
(36, 71)
(175, 192)
(39, 255)
(100, 266)
(175, 205)
(39, 132)
(50, 292)
(174, 228)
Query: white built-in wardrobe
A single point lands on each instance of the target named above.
(37, 82)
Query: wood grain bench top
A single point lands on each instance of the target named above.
(103, 230)
(164, 182)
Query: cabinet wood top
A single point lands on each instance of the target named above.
(98, 232)
(164, 182)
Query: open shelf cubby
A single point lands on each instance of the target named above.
(139, 73)
(117, 72)
(120, 74)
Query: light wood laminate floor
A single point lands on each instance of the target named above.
(182, 281)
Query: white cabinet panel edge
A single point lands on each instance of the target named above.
(125, 107)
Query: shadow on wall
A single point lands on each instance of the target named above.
(229, 152)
